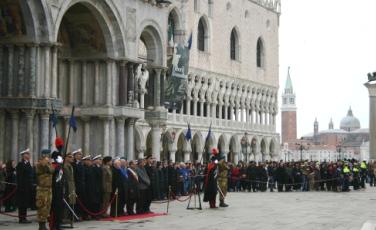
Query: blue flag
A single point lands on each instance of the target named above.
(188, 135)
(72, 121)
(190, 41)
(53, 118)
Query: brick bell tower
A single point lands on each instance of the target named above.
(288, 110)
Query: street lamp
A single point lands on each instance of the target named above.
(301, 147)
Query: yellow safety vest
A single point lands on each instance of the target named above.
(355, 169)
(346, 170)
(363, 165)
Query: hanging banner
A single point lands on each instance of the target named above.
(175, 91)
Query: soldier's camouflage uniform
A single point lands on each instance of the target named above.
(44, 191)
(222, 178)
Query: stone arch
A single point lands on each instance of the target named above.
(139, 142)
(235, 44)
(203, 34)
(197, 145)
(108, 20)
(152, 37)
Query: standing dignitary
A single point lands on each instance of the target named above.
(210, 183)
(222, 180)
(24, 177)
(106, 183)
(79, 178)
(88, 197)
(133, 188)
(97, 188)
(44, 172)
(143, 188)
(57, 205)
(151, 174)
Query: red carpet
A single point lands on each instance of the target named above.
(134, 217)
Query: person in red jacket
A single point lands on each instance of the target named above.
(210, 182)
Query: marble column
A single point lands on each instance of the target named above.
(84, 84)
(156, 141)
(242, 110)
(72, 84)
(236, 158)
(32, 70)
(47, 71)
(208, 109)
(220, 111)
(130, 123)
(130, 84)
(201, 108)
(213, 110)
(371, 86)
(54, 72)
(226, 112)
(157, 89)
(162, 87)
(247, 114)
(123, 84)
(2, 134)
(14, 143)
(21, 70)
(140, 155)
(172, 156)
(10, 70)
(233, 116)
(44, 137)
(106, 135)
(96, 83)
(86, 141)
(108, 82)
(120, 138)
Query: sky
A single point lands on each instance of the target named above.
(330, 46)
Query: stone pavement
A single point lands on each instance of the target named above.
(295, 210)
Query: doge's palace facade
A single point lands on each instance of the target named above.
(108, 58)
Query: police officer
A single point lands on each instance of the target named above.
(44, 172)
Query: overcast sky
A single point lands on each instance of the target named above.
(330, 46)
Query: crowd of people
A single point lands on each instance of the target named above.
(61, 186)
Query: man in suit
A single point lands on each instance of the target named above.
(24, 177)
(96, 189)
(142, 205)
(106, 183)
(132, 188)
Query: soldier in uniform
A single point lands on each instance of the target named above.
(44, 172)
(96, 189)
(57, 205)
(210, 183)
(222, 180)
(106, 183)
(70, 188)
(79, 178)
(24, 177)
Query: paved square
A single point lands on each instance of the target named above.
(295, 210)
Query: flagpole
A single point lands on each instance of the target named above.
(54, 125)
(69, 130)
(206, 140)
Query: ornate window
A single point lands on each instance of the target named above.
(171, 30)
(260, 53)
(234, 45)
(201, 35)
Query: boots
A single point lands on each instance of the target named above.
(223, 204)
(42, 226)
(212, 204)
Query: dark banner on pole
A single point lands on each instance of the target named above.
(177, 80)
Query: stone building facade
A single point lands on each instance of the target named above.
(109, 58)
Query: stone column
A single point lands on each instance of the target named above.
(30, 131)
(188, 106)
(123, 75)
(242, 110)
(201, 108)
(220, 111)
(232, 115)
(44, 121)
(54, 72)
(2, 134)
(108, 82)
(120, 125)
(226, 112)
(156, 141)
(47, 71)
(84, 83)
(187, 156)
(106, 135)
(72, 84)
(214, 110)
(140, 155)
(86, 145)
(130, 123)
(162, 87)
(208, 111)
(194, 107)
(14, 144)
(236, 158)
(21, 70)
(10, 70)
(172, 156)
(96, 83)
(32, 70)
(371, 86)
(247, 114)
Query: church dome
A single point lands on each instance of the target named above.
(350, 123)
